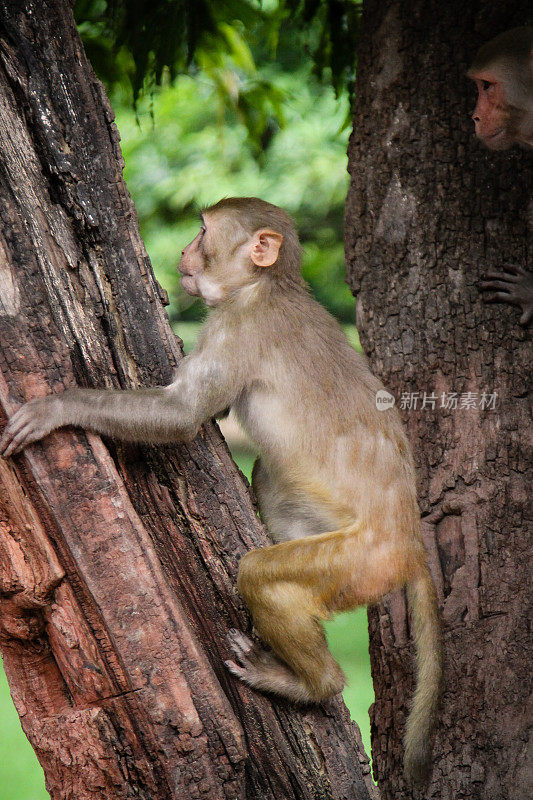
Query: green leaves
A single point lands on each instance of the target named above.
(333, 31)
(188, 159)
(232, 97)
(145, 43)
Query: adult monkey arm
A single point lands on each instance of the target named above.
(201, 389)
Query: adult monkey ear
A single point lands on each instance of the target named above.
(265, 247)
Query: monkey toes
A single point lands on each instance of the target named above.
(257, 667)
(241, 646)
(247, 654)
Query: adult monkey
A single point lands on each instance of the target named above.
(335, 481)
(503, 116)
(503, 73)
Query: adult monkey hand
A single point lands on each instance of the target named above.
(513, 285)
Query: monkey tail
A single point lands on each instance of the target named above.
(428, 640)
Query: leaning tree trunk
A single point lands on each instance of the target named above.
(428, 212)
(118, 563)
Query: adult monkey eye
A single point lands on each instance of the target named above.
(486, 85)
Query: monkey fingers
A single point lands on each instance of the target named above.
(24, 437)
(15, 440)
(29, 424)
(527, 316)
(510, 274)
(512, 285)
(503, 287)
(13, 434)
(515, 269)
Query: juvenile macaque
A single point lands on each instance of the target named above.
(335, 480)
(503, 73)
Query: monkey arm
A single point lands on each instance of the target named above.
(162, 414)
(512, 285)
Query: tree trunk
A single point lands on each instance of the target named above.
(429, 211)
(118, 563)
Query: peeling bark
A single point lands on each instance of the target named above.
(429, 211)
(118, 563)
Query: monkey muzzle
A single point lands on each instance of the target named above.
(190, 284)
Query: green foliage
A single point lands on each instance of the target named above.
(141, 44)
(248, 114)
(198, 151)
(21, 775)
(138, 45)
(333, 27)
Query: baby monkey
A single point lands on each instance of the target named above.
(335, 480)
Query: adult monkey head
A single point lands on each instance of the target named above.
(503, 73)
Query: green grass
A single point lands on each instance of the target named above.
(348, 641)
(21, 775)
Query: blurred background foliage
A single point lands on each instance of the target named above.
(140, 39)
(216, 98)
(236, 97)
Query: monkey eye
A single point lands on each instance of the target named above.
(486, 85)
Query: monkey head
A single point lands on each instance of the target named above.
(241, 241)
(503, 73)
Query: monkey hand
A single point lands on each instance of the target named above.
(31, 422)
(512, 285)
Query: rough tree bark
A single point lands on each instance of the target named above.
(118, 564)
(428, 212)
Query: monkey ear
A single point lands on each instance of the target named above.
(265, 247)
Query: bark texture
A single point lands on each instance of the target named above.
(118, 564)
(429, 211)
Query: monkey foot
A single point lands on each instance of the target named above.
(246, 653)
(262, 669)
